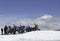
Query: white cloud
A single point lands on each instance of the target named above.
(46, 22)
(46, 17)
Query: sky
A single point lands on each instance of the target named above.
(15, 9)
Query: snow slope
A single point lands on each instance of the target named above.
(33, 36)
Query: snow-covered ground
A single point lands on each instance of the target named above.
(33, 36)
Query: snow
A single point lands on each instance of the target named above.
(33, 36)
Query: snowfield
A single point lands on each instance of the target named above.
(33, 36)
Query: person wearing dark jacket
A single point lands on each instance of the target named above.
(14, 29)
(36, 27)
(10, 30)
(5, 29)
(21, 29)
(1, 31)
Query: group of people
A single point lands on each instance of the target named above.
(20, 29)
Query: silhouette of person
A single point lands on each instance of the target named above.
(36, 27)
(2, 31)
(10, 30)
(14, 29)
(5, 29)
(27, 28)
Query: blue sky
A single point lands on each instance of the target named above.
(15, 9)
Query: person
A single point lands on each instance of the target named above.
(27, 28)
(21, 29)
(5, 29)
(14, 29)
(2, 31)
(36, 27)
(10, 30)
(17, 29)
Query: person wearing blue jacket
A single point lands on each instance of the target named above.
(27, 28)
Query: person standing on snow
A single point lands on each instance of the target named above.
(1, 31)
(14, 29)
(10, 30)
(27, 28)
(5, 30)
